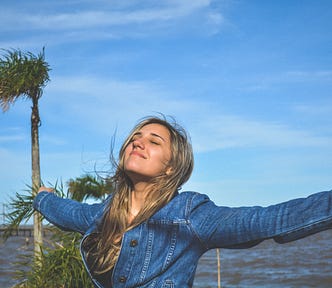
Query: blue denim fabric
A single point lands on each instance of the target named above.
(164, 251)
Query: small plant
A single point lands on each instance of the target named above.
(59, 263)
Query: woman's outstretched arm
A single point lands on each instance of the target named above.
(67, 214)
(243, 227)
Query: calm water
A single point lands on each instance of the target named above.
(303, 263)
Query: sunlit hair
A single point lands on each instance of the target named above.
(104, 246)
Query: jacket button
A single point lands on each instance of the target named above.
(122, 279)
(133, 243)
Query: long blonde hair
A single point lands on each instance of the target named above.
(104, 246)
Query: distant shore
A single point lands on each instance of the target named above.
(23, 231)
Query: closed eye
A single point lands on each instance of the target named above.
(154, 142)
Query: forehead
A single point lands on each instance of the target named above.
(154, 129)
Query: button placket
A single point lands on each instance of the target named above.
(122, 279)
(133, 243)
(124, 265)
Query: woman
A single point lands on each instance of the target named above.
(147, 234)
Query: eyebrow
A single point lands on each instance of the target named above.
(152, 134)
(156, 135)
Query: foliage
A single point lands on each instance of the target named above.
(60, 263)
(21, 209)
(22, 75)
(89, 186)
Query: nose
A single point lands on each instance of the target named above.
(138, 143)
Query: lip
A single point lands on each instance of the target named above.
(136, 153)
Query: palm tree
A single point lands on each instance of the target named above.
(89, 186)
(24, 75)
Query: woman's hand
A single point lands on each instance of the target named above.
(43, 189)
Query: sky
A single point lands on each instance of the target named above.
(251, 82)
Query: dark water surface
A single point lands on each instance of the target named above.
(303, 263)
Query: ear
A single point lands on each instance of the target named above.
(169, 171)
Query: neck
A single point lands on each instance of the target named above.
(138, 196)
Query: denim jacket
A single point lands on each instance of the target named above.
(163, 251)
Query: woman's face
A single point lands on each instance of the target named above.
(148, 153)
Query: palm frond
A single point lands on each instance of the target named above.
(88, 186)
(22, 75)
(21, 210)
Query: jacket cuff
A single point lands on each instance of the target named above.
(39, 198)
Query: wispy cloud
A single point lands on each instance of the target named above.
(108, 15)
(12, 134)
(314, 110)
(215, 132)
(101, 103)
(105, 102)
(16, 163)
(313, 76)
(11, 138)
(50, 139)
(258, 81)
(75, 22)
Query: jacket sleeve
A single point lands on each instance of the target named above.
(67, 214)
(244, 227)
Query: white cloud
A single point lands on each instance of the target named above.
(139, 18)
(14, 170)
(104, 105)
(10, 134)
(258, 82)
(215, 132)
(83, 19)
(11, 138)
(53, 140)
(315, 75)
(101, 103)
(314, 110)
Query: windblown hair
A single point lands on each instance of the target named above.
(104, 246)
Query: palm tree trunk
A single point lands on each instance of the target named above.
(36, 180)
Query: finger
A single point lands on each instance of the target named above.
(43, 189)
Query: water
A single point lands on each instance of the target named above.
(10, 253)
(303, 263)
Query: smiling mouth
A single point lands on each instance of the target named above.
(135, 153)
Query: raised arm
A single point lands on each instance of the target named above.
(67, 214)
(243, 227)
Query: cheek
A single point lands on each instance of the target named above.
(168, 156)
(126, 152)
(124, 159)
(164, 159)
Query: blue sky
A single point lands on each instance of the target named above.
(250, 80)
